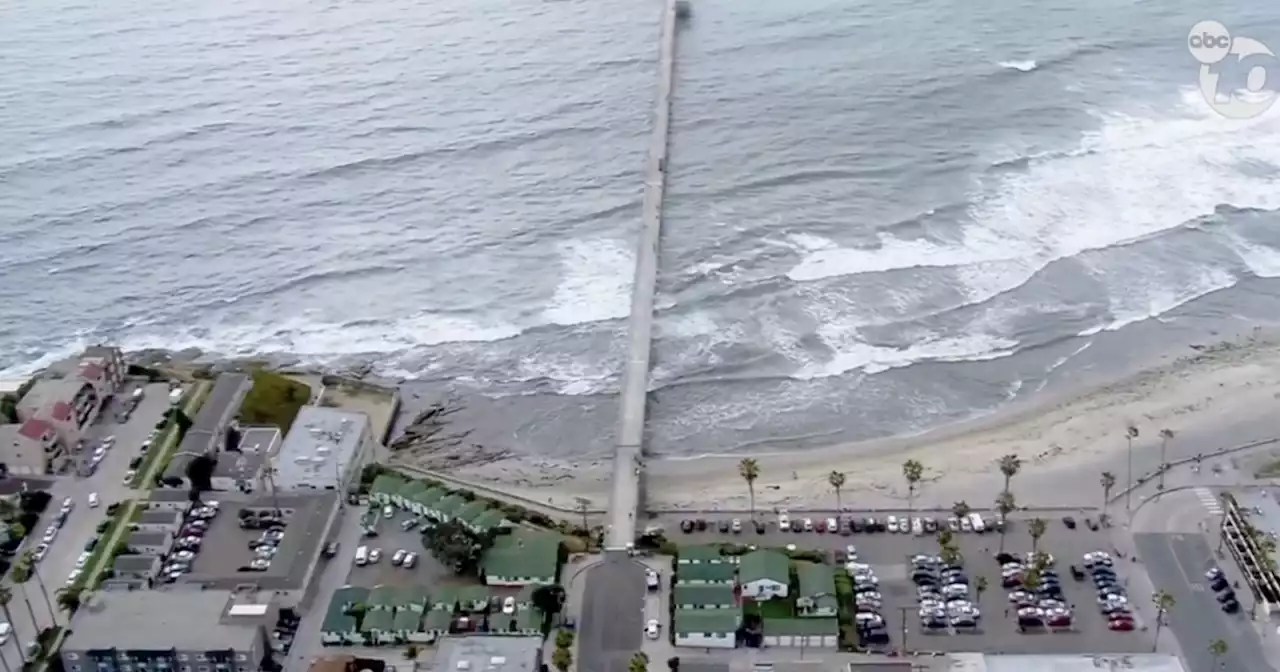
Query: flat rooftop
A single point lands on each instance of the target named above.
(134, 564)
(319, 448)
(246, 465)
(1141, 662)
(226, 545)
(148, 538)
(488, 653)
(156, 619)
(218, 405)
(158, 517)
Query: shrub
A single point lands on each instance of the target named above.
(274, 400)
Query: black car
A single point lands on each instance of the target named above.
(856, 525)
(1227, 597)
(724, 526)
(330, 549)
(1231, 606)
(701, 525)
(761, 528)
(686, 526)
(1006, 558)
(1069, 522)
(1220, 584)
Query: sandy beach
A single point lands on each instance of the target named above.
(1214, 397)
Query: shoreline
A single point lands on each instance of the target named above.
(1215, 397)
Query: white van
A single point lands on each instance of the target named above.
(978, 524)
(362, 556)
(175, 396)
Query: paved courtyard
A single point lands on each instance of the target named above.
(391, 538)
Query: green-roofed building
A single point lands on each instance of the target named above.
(349, 596)
(339, 626)
(523, 557)
(706, 573)
(379, 626)
(448, 506)
(474, 598)
(486, 521)
(409, 492)
(816, 592)
(523, 623)
(383, 598)
(764, 574)
(407, 623)
(693, 555)
(436, 623)
(445, 598)
(797, 632)
(385, 488)
(704, 596)
(470, 511)
(424, 503)
(413, 598)
(707, 628)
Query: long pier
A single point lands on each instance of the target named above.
(628, 461)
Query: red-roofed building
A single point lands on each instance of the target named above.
(30, 448)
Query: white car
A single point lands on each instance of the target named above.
(50, 534)
(184, 555)
(68, 504)
(41, 550)
(833, 525)
(651, 579)
(5, 631)
(509, 605)
(851, 553)
(808, 524)
(917, 526)
(375, 555)
(892, 523)
(409, 561)
(652, 629)
(388, 512)
(93, 500)
(109, 441)
(736, 526)
(71, 578)
(83, 560)
(398, 556)
(128, 476)
(784, 522)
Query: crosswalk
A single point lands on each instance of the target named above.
(1209, 500)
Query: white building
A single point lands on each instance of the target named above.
(764, 575)
(324, 449)
(801, 632)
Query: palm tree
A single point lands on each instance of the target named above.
(1164, 602)
(30, 558)
(1166, 435)
(1009, 466)
(1108, 482)
(1217, 649)
(913, 471)
(980, 586)
(836, 479)
(6, 596)
(1036, 527)
(749, 470)
(69, 599)
(1130, 433)
(945, 537)
(961, 509)
(950, 555)
(1031, 578)
(562, 659)
(1004, 504)
(639, 663)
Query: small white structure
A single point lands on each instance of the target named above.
(764, 575)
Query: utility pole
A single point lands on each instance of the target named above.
(904, 611)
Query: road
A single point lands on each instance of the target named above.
(1176, 563)
(611, 625)
(82, 523)
(333, 575)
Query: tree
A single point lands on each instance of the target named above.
(1130, 433)
(411, 652)
(550, 600)
(1036, 527)
(961, 509)
(749, 470)
(30, 558)
(1164, 602)
(837, 480)
(1031, 578)
(673, 664)
(1005, 503)
(950, 555)
(1108, 481)
(200, 472)
(1010, 465)
(69, 598)
(6, 596)
(456, 547)
(1166, 435)
(564, 639)
(638, 663)
(1217, 649)
(945, 537)
(980, 586)
(913, 471)
(562, 659)
(583, 506)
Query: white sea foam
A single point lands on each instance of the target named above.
(1262, 260)
(1023, 66)
(595, 283)
(854, 355)
(1138, 295)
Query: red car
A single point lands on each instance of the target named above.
(1121, 624)
(1060, 620)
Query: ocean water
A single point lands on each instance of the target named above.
(881, 217)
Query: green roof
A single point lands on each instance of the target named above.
(525, 596)
(437, 620)
(383, 597)
(412, 489)
(350, 595)
(412, 596)
(386, 484)
(529, 619)
(488, 519)
(407, 620)
(336, 618)
(716, 572)
(468, 594)
(471, 510)
(800, 626)
(710, 621)
(523, 553)
(380, 620)
(430, 496)
(764, 564)
(450, 504)
(704, 553)
(717, 595)
(815, 579)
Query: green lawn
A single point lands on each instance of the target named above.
(103, 552)
(167, 442)
(770, 608)
(274, 400)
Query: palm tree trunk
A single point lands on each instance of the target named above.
(1128, 486)
(5, 661)
(838, 507)
(53, 613)
(1164, 443)
(751, 493)
(30, 610)
(22, 655)
(1155, 644)
(1002, 529)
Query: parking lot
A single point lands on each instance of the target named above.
(391, 538)
(889, 555)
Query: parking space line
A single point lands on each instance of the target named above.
(1209, 499)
